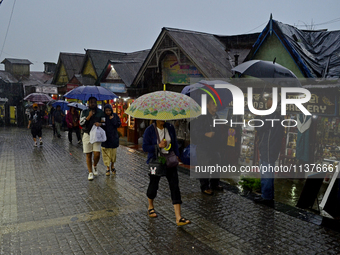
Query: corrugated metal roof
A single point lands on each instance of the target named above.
(238, 45)
(205, 51)
(127, 70)
(72, 63)
(99, 58)
(37, 78)
(7, 77)
(85, 80)
(17, 61)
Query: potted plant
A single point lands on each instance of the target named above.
(250, 184)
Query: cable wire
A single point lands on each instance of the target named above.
(3, 45)
(257, 27)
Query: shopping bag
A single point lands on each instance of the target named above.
(97, 134)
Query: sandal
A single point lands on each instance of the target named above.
(208, 192)
(113, 170)
(152, 213)
(108, 172)
(183, 221)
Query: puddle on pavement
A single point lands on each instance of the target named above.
(287, 191)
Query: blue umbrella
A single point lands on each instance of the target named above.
(222, 97)
(85, 92)
(62, 103)
(77, 105)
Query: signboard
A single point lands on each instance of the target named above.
(69, 87)
(47, 89)
(322, 102)
(114, 87)
(174, 73)
(3, 99)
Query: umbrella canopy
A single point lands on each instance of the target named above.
(77, 105)
(85, 92)
(63, 104)
(31, 104)
(268, 71)
(221, 97)
(38, 97)
(164, 105)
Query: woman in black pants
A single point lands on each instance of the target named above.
(167, 143)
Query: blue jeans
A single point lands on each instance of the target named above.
(267, 180)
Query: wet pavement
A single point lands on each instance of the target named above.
(47, 206)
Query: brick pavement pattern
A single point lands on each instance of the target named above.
(47, 206)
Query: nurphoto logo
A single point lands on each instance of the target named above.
(238, 104)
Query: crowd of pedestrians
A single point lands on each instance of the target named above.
(159, 140)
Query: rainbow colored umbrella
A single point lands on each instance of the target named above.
(164, 105)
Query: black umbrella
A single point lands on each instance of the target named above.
(268, 71)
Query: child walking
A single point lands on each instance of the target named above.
(109, 147)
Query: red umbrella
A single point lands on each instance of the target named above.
(38, 97)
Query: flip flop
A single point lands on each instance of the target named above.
(208, 192)
(183, 221)
(152, 213)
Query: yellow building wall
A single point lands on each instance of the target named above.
(89, 70)
(272, 48)
(62, 76)
(12, 114)
(2, 111)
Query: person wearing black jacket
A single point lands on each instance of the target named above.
(270, 140)
(209, 141)
(35, 122)
(109, 147)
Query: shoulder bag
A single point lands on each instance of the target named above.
(156, 166)
(171, 158)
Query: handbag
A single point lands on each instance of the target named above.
(156, 167)
(171, 158)
(97, 134)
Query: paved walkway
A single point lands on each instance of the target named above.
(47, 206)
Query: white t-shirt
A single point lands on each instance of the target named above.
(167, 138)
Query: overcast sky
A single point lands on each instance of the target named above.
(40, 29)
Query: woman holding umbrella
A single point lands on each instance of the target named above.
(161, 106)
(166, 130)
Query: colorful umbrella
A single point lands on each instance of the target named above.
(222, 97)
(85, 92)
(38, 97)
(164, 105)
(77, 105)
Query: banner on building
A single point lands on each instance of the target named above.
(175, 73)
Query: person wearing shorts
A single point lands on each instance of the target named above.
(88, 118)
(35, 122)
(109, 147)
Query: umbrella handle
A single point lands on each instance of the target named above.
(168, 147)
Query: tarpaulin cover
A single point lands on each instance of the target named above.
(317, 53)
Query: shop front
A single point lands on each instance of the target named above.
(314, 140)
